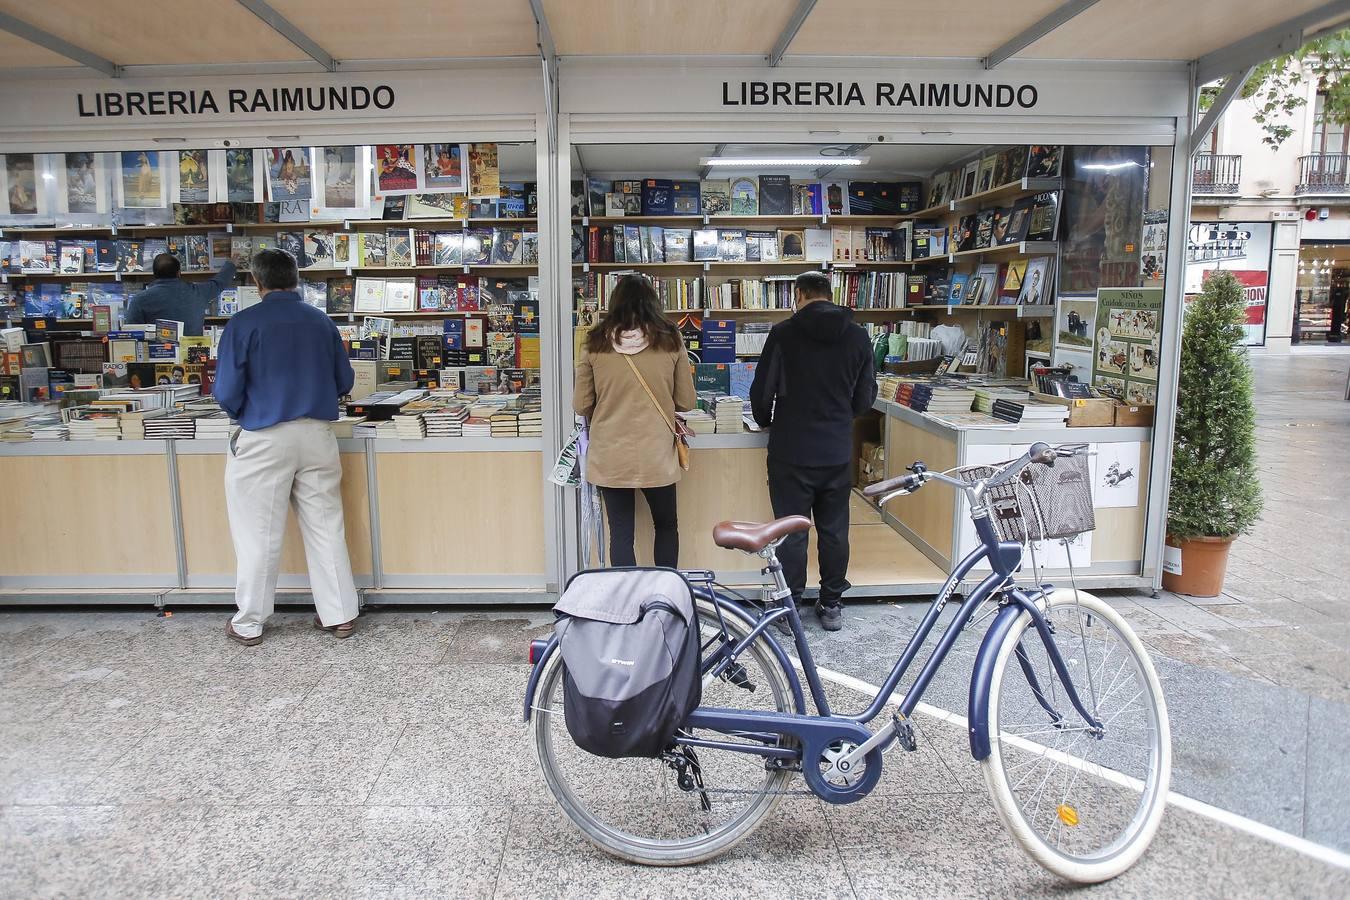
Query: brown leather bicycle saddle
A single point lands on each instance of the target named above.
(753, 537)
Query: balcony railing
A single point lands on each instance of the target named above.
(1323, 173)
(1216, 173)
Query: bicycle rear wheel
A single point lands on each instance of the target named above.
(1083, 804)
(635, 808)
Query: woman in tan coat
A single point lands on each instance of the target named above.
(631, 442)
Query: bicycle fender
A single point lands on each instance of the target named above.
(982, 676)
(533, 684)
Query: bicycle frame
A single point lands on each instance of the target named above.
(762, 732)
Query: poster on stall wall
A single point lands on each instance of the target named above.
(236, 175)
(289, 174)
(397, 172)
(192, 178)
(341, 189)
(484, 178)
(1116, 483)
(141, 183)
(81, 183)
(443, 167)
(1125, 343)
(21, 196)
(1153, 249)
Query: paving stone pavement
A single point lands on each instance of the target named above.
(146, 757)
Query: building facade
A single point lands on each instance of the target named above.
(1279, 218)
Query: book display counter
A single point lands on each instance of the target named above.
(167, 533)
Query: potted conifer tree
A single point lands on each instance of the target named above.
(1215, 495)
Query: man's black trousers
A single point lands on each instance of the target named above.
(821, 492)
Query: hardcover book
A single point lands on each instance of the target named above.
(956, 292)
(705, 244)
(984, 180)
(477, 246)
(400, 295)
(373, 249)
(449, 249)
(792, 244)
(1043, 223)
(658, 197)
(819, 244)
(835, 195)
(775, 195)
(731, 245)
(341, 294)
(1035, 282)
(686, 198)
(369, 295)
(984, 229)
(716, 197)
(1044, 161)
(745, 196)
(398, 248)
(1019, 218)
(678, 245)
(506, 247)
(964, 238)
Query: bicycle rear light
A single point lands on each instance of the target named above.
(537, 650)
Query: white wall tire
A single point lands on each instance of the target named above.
(1135, 840)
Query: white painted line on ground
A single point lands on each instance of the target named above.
(1284, 839)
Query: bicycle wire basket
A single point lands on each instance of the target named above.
(1042, 502)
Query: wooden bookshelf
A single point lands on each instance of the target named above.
(1020, 248)
(1013, 190)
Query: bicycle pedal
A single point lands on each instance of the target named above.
(904, 733)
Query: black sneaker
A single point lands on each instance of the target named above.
(831, 616)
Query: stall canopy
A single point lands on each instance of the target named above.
(125, 38)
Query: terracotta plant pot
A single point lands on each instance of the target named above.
(1204, 560)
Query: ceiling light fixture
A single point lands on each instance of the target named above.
(775, 161)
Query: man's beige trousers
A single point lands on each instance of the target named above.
(291, 464)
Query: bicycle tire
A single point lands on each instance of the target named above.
(644, 850)
(1122, 853)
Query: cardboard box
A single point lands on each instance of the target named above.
(1084, 413)
(1133, 416)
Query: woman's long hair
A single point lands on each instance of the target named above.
(634, 306)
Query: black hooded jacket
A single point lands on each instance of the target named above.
(818, 368)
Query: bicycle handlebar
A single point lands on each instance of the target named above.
(1039, 452)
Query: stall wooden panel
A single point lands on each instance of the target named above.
(83, 516)
(461, 514)
(1120, 530)
(930, 512)
(206, 525)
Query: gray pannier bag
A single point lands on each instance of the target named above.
(630, 647)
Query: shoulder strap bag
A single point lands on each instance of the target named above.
(680, 433)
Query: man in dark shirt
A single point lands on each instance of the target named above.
(815, 375)
(170, 297)
(282, 367)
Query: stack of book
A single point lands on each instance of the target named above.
(177, 425)
(904, 392)
(985, 397)
(133, 423)
(447, 420)
(214, 426)
(1038, 414)
(531, 423)
(939, 399)
(53, 432)
(727, 413)
(886, 387)
(342, 427)
(477, 426)
(409, 424)
(505, 423)
(699, 422)
(364, 429)
(88, 424)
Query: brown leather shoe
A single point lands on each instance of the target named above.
(236, 636)
(340, 632)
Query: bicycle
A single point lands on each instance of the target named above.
(1066, 714)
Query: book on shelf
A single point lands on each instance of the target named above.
(1044, 161)
(1036, 288)
(400, 295)
(1043, 222)
(731, 245)
(373, 249)
(449, 248)
(507, 246)
(685, 199)
(715, 196)
(658, 197)
(835, 194)
(761, 246)
(984, 230)
(806, 198)
(369, 295)
(72, 260)
(631, 192)
(398, 248)
(775, 195)
(706, 241)
(341, 294)
(818, 244)
(477, 248)
(678, 245)
(883, 198)
(1013, 276)
(632, 244)
(614, 206)
(315, 293)
(956, 290)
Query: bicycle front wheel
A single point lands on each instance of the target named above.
(637, 809)
(1085, 803)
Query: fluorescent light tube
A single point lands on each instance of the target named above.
(768, 161)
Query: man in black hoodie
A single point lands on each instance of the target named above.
(815, 375)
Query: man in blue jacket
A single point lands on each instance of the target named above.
(815, 375)
(170, 297)
(282, 367)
